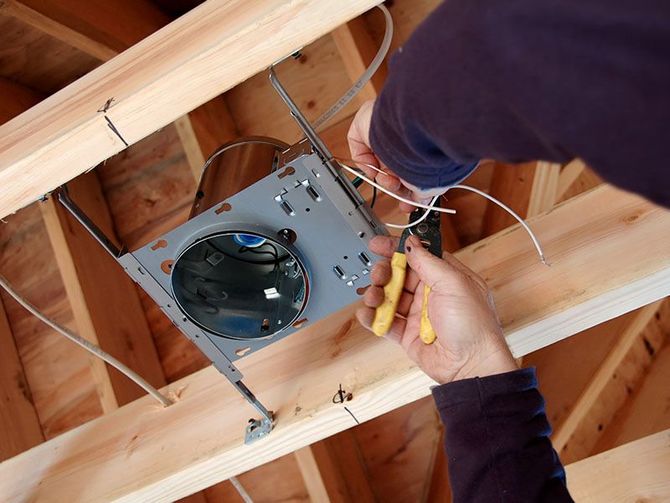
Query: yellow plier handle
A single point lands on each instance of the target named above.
(385, 313)
(426, 332)
(429, 233)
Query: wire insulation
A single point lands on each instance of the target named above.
(509, 210)
(87, 345)
(423, 217)
(363, 79)
(241, 490)
(356, 172)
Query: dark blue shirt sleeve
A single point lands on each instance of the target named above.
(497, 440)
(524, 80)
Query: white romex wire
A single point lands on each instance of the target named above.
(423, 217)
(430, 207)
(88, 346)
(357, 173)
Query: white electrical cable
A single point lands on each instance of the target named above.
(356, 172)
(423, 217)
(363, 79)
(509, 210)
(88, 346)
(241, 490)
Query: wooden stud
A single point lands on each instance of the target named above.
(19, 10)
(100, 29)
(183, 65)
(438, 487)
(153, 453)
(512, 184)
(343, 469)
(569, 174)
(189, 141)
(19, 425)
(617, 377)
(204, 130)
(529, 189)
(311, 475)
(104, 301)
(357, 50)
(637, 471)
(543, 191)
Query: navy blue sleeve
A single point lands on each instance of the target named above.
(497, 440)
(524, 80)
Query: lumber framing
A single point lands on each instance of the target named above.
(341, 469)
(637, 471)
(616, 379)
(158, 80)
(529, 189)
(104, 301)
(20, 427)
(155, 454)
(99, 29)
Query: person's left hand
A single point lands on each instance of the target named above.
(358, 138)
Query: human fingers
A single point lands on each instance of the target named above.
(365, 316)
(381, 273)
(374, 297)
(429, 268)
(384, 246)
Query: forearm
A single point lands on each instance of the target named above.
(497, 440)
(525, 80)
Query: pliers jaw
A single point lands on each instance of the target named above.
(428, 231)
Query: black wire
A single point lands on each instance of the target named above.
(258, 262)
(374, 197)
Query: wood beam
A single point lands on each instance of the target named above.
(20, 427)
(31, 17)
(204, 130)
(543, 191)
(342, 469)
(569, 175)
(511, 184)
(153, 453)
(637, 471)
(529, 189)
(357, 49)
(160, 79)
(104, 301)
(86, 28)
(99, 29)
(616, 379)
(311, 475)
(438, 487)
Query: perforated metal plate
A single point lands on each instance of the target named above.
(303, 208)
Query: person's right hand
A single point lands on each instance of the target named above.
(470, 341)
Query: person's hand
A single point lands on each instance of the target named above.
(470, 341)
(358, 138)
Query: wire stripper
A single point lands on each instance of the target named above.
(430, 235)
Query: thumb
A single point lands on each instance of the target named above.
(430, 269)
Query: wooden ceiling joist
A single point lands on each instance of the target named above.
(637, 471)
(161, 454)
(99, 29)
(616, 379)
(20, 427)
(104, 301)
(163, 77)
